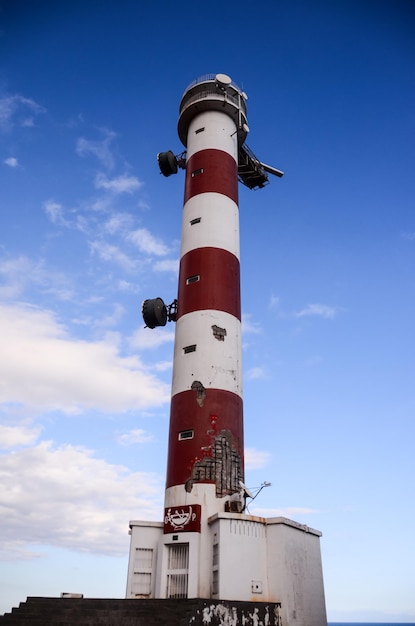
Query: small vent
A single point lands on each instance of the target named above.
(193, 279)
(143, 559)
(186, 434)
(188, 349)
(141, 587)
(215, 554)
(197, 172)
(199, 130)
(215, 582)
(196, 220)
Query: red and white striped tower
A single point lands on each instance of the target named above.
(205, 454)
(205, 465)
(205, 457)
(208, 546)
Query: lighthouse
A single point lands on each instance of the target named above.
(208, 546)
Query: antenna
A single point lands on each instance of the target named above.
(251, 172)
(247, 492)
(272, 170)
(264, 484)
(223, 80)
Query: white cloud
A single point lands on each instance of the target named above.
(248, 326)
(14, 111)
(256, 459)
(120, 184)
(143, 205)
(101, 204)
(167, 265)
(118, 222)
(148, 339)
(256, 373)
(112, 319)
(81, 224)
(100, 149)
(274, 303)
(68, 498)
(28, 122)
(11, 162)
(108, 252)
(137, 435)
(16, 436)
(319, 310)
(21, 272)
(55, 212)
(124, 285)
(162, 366)
(147, 243)
(14, 273)
(170, 266)
(44, 368)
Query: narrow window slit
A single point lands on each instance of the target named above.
(196, 220)
(188, 349)
(193, 279)
(199, 130)
(186, 434)
(197, 172)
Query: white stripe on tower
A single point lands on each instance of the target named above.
(206, 418)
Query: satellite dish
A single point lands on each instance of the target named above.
(154, 313)
(223, 80)
(244, 96)
(245, 127)
(167, 163)
(246, 490)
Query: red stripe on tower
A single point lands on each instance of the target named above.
(211, 170)
(209, 278)
(195, 458)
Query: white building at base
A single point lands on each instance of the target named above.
(246, 558)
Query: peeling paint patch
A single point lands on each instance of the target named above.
(221, 464)
(219, 333)
(200, 392)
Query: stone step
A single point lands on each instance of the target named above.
(117, 612)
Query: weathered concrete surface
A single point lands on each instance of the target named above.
(103, 612)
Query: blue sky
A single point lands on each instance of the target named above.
(89, 93)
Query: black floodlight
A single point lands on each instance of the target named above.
(167, 163)
(170, 162)
(154, 313)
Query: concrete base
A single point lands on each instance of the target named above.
(252, 559)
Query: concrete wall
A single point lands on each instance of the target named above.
(239, 557)
(295, 572)
(144, 535)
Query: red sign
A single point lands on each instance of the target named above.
(182, 519)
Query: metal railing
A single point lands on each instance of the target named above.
(208, 77)
(213, 95)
